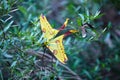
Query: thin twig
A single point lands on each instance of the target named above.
(13, 10)
(49, 57)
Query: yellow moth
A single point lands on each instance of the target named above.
(54, 44)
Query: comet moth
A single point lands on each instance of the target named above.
(54, 44)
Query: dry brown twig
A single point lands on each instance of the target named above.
(48, 59)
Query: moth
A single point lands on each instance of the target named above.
(54, 44)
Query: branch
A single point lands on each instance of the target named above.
(49, 59)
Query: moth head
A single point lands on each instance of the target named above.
(45, 43)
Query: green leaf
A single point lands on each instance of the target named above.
(82, 17)
(88, 74)
(14, 64)
(96, 14)
(8, 26)
(5, 4)
(8, 55)
(23, 10)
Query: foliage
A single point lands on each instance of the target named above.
(93, 57)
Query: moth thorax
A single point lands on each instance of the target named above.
(45, 43)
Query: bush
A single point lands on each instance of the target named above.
(93, 57)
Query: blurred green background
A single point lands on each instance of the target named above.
(94, 57)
